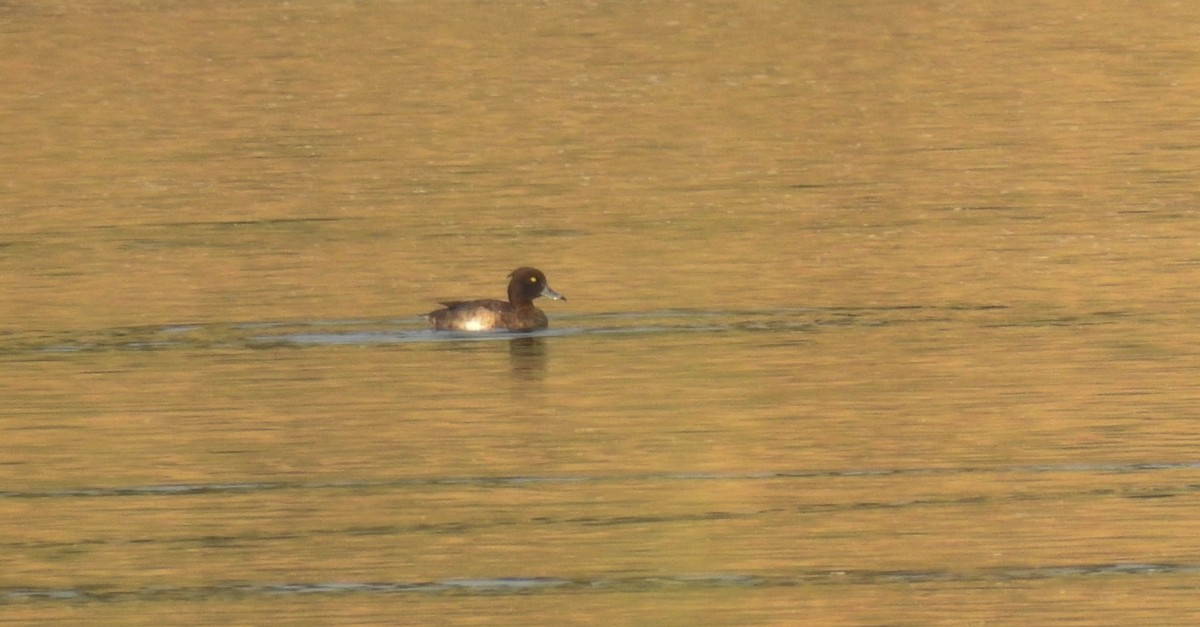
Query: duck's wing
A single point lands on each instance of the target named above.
(470, 315)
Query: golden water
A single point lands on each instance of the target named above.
(879, 313)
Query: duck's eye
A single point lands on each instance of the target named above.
(533, 279)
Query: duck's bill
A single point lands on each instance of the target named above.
(551, 294)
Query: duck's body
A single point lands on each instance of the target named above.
(518, 314)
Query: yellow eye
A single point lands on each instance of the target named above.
(533, 279)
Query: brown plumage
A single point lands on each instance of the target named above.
(518, 314)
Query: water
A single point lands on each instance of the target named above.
(878, 314)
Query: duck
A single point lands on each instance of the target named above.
(518, 314)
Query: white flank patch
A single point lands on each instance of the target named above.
(474, 324)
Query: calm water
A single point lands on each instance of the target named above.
(880, 313)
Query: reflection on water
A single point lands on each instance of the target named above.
(528, 357)
(880, 314)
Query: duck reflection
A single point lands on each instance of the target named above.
(527, 356)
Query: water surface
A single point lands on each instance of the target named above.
(878, 314)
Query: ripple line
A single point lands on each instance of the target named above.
(561, 585)
(517, 480)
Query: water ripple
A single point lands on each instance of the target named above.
(413, 330)
(520, 480)
(561, 585)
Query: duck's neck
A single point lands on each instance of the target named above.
(517, 298)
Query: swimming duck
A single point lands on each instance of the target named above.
(518, 314)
